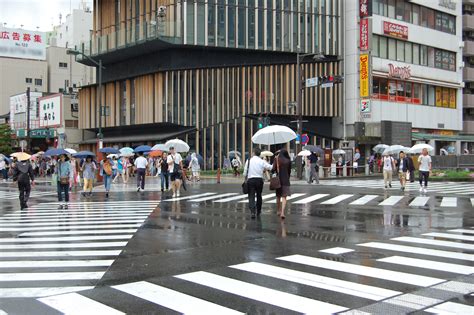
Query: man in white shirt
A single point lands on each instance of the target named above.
(175, 167)
(3, 169)
(424, 162)
(140, 164)
(388, 167)
(254, 170)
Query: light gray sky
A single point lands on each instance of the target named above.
(36, 13)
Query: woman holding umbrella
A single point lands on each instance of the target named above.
(282, 167)
(195, 167)
(88, 174)
(107, 172)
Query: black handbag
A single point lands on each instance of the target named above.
(245, 186)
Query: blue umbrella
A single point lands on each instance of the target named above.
(55, 152)
(142, 149)
(83, 154)
(198, 156)
(108, 150)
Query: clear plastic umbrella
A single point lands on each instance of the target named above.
(379, 148)
(178, 144)
(160, 147)
(395, 149)
(418, 148)
(338, 151)
(304, 153)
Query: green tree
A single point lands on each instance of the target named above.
(5, 140)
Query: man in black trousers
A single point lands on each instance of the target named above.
(254, 170)
(23, 173)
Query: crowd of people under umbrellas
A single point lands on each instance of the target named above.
(70, 169)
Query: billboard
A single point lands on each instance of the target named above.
(395, 30)
(18, 109)
(50, 111)
(364, 34)
(19, 43)
(364, 75)
(365, 8)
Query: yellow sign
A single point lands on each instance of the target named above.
(364, 75)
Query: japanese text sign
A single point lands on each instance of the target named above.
(364, 34)
(19, 43)
(365, 8)
(395, 30)
(364, 75)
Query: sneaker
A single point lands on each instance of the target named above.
(421, 189)
(162, 189)
(106, 195)
(66, 206)
(386, 186)
(403, 188)
(390, 185)
(425, 190)
(138, 189)
(174, 195)
(177, 193)
(60, 207)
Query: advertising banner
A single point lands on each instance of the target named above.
(19, 43)
(18, 109)
(50, 111)
(364, 34)
(364, 75)
(395, 30)
(365, 8)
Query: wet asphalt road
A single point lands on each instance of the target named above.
(147, 253)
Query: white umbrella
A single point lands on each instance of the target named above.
(111, 156)
(395, 149)
(338, 151)
(273, 135)
(418, 148)
(304, 153)
(178, 145)
(160, 147)
(443, 152)
(266, 153)
(379, 148)
(71, 151)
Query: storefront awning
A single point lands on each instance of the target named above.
(157, 136)
(430, 136)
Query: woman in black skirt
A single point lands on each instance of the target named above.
(282, 165)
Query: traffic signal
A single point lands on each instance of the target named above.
(260, 122)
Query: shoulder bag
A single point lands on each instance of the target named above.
(245, 186)
(63, 180)
(275, 180)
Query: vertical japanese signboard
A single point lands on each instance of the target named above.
(19, 43)
(364, 34)
(365, 8)
(50, 111)
(364, 75)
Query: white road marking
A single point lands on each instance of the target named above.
(111, 231)
(251, 291)
(373, 272)
(317, 281)
(465, 231)
(70, 245)
(51, 276)
(76, 304)
(427, 241)
(293, 196)
(72, 227)
(336, 250)
(310, 199)
(171, 299)
(451, 308)
(391, 201)
(56, 263)
(32, 225)
(419, 201)
(231, 198)
(419, 250)
(363, 200)
(65, 238)
(212, 197)
(75, 253)
(190, 197)
(449, 202)
(39, 291)
(337, 199)
(428, 264)
(451, 236)
(264, 197)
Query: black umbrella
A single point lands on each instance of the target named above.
(314, 149)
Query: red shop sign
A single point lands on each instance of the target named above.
(395, 30)
(365, 8)
(364, 34)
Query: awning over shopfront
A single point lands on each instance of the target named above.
(430, 136)
(141, 133)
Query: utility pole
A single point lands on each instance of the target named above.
(28, 108)
(299, 113)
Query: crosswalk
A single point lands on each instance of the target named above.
(11, 195)
(331, 199)
(323, 282)
(460, 188)
(64, 251)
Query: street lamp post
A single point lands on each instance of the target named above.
(299, 110)
(98, 64)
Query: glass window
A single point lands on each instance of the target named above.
(445, 97)
(424, 55)
(407, 12)
(190, 23)
(392, 88)
(39, 82)
(269, 30)
(391, 9)
(242, 26)
(375, 85)
(211, 23)
(416, 14)
(431, 56)
(408, 90)
(260, 31)
(382, 47)
(400, 10)
(400, 50)
(231, 25)
(375, 45)
(201, 13)
(438, 58)
(424, 16)
(383, 83)
(431, 18)
(424, 94)
(400, 88)
(439, 96)
(431, 95)
(132, 102)
(251, 23)
(416, 54)
(416, 91)
(452, 98)
(439, 21)
(452, 24)
(392, 49)
(375, 7)
(408, 53)
(452, 61)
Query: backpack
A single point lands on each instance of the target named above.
(107, 169)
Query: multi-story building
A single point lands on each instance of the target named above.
(468, 71)
(404, 73)
(204, 70)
